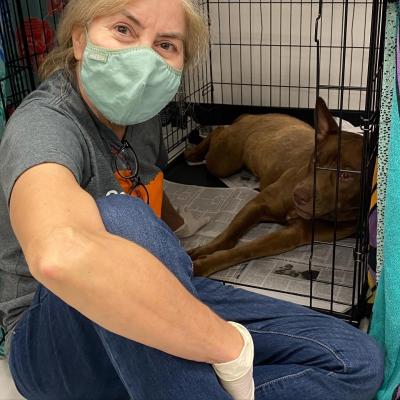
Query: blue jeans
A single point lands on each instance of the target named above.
(57, 353)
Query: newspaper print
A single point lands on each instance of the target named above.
(286, 276)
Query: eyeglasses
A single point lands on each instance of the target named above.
(127, 167)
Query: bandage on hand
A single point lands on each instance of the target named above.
(236, 376)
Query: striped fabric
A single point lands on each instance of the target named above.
(372, 240)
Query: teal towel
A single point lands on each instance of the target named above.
(389, 76)
(385, 324)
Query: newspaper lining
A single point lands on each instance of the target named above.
(285, 276)
(243, 179)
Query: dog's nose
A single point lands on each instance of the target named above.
(302, 196)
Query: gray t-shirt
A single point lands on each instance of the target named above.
(53, 124)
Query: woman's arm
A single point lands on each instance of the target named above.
(69, 251)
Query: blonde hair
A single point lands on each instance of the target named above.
(81, 12)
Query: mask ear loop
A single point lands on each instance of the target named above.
(87, 34)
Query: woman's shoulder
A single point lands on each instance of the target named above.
(45, 118)
(54, 98)
(52, 108)
(41, 130)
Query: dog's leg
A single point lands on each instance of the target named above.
(278, 242)
(256, 210)
(296, 234)
(198, 153)
(222, 150)
(324, 231)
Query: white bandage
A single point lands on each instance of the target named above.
(191, 224)
(236, 376)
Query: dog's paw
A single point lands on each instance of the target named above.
(212, 247)
(207, 265)
(203, 266)
(197, 252)
(193, 155)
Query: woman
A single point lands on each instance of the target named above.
(97, 295)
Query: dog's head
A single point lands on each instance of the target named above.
(328, 155)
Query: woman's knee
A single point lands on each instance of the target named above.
(129, 217)
(366, 366)
(132, 219)
(375, 364)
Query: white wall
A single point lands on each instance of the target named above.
(263, 52)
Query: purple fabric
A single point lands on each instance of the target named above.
(396, 395)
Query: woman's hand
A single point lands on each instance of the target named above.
(236, 376)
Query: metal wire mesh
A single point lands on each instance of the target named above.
(368, 101)
(263, 52)
(17, 81)
(278, 56)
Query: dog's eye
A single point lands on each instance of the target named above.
(344, 176)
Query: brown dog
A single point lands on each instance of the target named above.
(279, 150)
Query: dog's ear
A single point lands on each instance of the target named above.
(323, 120)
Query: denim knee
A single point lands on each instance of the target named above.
(377, 359)
(367, 366)
(132, 219)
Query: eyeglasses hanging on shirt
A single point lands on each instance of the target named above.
(127, 167)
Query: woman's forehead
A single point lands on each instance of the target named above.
(168, 15)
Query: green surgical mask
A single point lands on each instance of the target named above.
(128, 86)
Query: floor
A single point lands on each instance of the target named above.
(8, 390)
(180, 172)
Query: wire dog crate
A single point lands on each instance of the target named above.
(278, 56)
(264, 56)
(15, 81)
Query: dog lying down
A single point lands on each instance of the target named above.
(279, 150)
